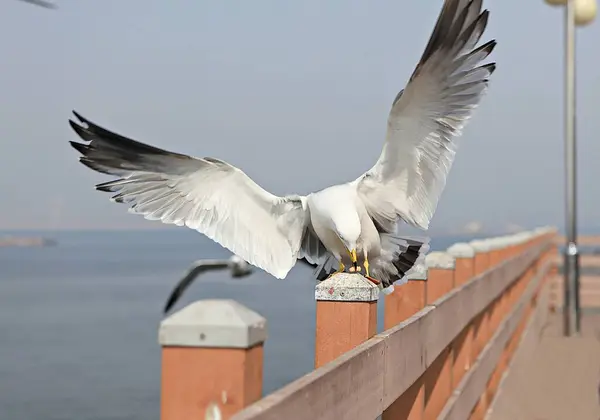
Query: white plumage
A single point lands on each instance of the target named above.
(350, 223)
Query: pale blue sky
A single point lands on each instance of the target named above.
(249, 81)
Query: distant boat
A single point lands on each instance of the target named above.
(26, 241)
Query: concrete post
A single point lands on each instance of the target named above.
(440, 275)
(482, 256)
(346, 315)
(212, 360)
(498, 250)
(464, 255)
(410, 405)
(481, 331)
(406, 300)
(438, 378)
(463, 345)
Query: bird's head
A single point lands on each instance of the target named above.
(348, 230)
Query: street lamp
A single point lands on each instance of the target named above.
(585, 10)
(577, 12)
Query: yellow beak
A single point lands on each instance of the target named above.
(353, 257)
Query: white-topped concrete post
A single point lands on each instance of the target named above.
(497, 250)
(514, 244)
(440, 274)
(440, 281)
(212, 360)
(482, 255)
(464, 265)
(406, 299)
(346, 315)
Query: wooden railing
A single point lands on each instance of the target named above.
(450, 333)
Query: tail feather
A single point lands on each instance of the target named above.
(400, 257)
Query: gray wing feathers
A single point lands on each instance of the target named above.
(207, 195)
(445, 87)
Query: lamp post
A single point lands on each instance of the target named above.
(577, 12)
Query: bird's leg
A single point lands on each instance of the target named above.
(340, 269)
(367, 275)
(355, 267)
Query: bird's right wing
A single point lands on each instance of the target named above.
(208, 195)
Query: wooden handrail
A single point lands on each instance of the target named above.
(474, 383)
(364, 381)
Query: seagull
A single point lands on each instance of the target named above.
(353, 224)
(239, 268)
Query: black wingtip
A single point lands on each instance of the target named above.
(491, 45)
(80, 147)
(79, 117)
(84, 133)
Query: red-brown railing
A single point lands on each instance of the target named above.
(450, 334)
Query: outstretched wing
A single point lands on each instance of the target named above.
(208, 195)
(427, 116)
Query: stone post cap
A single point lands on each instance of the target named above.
(441, 260)
(419, 272)
(213, 323)
(499, 242)
(514, 239)
(347, 287)
(461, 250)
(543, 230)
(521, 237)
(480, 245)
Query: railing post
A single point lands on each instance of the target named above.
(482, 262)
(462, 346)
(498, 250)
(346, 315)
(409, 406)
(482, 255)
(482, 321)
(498, 310)
(405, 301)
(212, 360)
(463, 254)
(438, 377)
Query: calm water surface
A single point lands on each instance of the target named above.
(79, 321)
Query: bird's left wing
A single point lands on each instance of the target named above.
(427, 116)
(208, 195)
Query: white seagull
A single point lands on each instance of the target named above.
(348, 224)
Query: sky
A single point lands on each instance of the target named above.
(294, 93)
